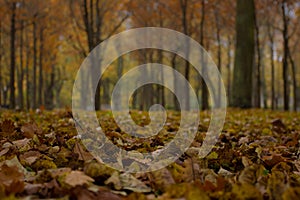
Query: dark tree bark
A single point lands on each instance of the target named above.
(257, 82)
(184, 9)
(0, 64)
(264, 92)
(175, 102)
(41, 79)
(271, 39)
(88, 18)
(286, 95)
(49, 100)
(160, 60)
(294, 79)
(34, 82)
(119, 75)
(93, 15)
(12, 103)
(27, 72)
(219, 51)
(20, 70)
(229, 67)
(204, 94)
(244, 57)
(161, 89)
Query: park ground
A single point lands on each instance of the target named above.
(256, 157)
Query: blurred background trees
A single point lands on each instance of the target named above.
(42, 44)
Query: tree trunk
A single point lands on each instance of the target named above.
(244, 57)
(12, 103)
(175, 102)
(20, 71)
(184, 7)
(271, 39)
(285, 36)
(264, 92)
(118, 99)
(204, 94)
(257, 83)
(27, 72)
(294, 73)
(161, 88)
(50, 90)
(34, 64)
(0, 64)
(229, 67)
(41, 49)
(88, 18)
(218, 102)
(160, 60)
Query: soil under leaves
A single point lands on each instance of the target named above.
(256, 157)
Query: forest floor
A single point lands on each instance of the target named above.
(256, 157)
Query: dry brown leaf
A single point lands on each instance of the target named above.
(30, 129)
(272, 160)
(7, 127)
(246, 161)
(21, 143)
(278, 126)
(128, 182)
(9, 175)
(30, 157)
(59, 172)
(12, 179)
(4, 151)
(75, 178)
(31, 189)
(81, 193)
(83, 155)
(161, 179)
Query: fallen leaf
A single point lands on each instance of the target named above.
(75, 178)
(272, 160)
(12, 179)
(30, 157)
(83, 155)
(31, 129)
(128, 182)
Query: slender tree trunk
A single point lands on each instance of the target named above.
(106, 93)
(218, 103)
(229, 67)
(184, 9)
(294, 73)
(160, 60)
(285, 36)
(20, 71)
(257, 83)
(271, 39)
(41, 49)
(88, 18)
(150, 89)
(161, 94)
(27, 72)
(175, 102)
(244, 56)
(204, 94)
(50, 89)
(12, 103)
(264, 92)
(119, 75)
(34, 64)
(0, 64)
